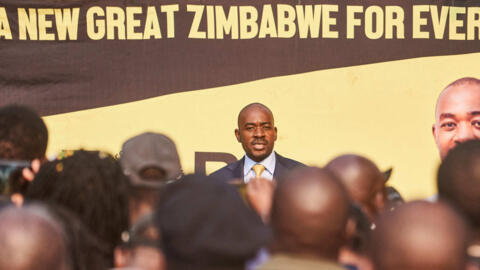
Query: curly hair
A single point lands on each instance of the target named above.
(90, 184)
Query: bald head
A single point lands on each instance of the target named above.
(363, 181)
(420, 236)
(309, 214)
(253, 107)
(457, 114)
(30, 239)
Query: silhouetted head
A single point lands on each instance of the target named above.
(30, 238)
(364, 182)
(309, 214)
(23, 134)
(420, 236)
(458, 180)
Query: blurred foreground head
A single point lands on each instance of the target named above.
(458, 180)
(363, 180)
(149, 160)
(204, 224)
(92, 186)
(420, 236)
(309, 214)
(31, 239)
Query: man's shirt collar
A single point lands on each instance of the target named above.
(268, 163)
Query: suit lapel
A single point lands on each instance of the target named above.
(237, 168)
(279, 168)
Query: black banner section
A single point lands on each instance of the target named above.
(63, 56)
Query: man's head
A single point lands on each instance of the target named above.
(256, 131)
(458, 180)
(150, 160)
(30, 238)
(419, 236)
(205, 224)
(363, 180)
(309, 214)
(23, 134)
(457, 114)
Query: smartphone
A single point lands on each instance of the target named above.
(11, 174)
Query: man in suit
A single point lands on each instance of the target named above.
(257, 133)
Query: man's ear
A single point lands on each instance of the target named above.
(434, 131)
(237, 134)
(275, 136)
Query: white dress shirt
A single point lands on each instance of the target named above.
(268, 163)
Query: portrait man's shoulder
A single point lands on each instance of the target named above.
(288, 162)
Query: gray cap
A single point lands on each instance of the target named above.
(150, 150)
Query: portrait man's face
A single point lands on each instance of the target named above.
(457, 117)
(257, 132)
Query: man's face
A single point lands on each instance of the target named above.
(257, 132)
(457, 118)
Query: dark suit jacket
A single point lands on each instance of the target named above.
(235, 169)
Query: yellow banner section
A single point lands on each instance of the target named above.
(383, 111)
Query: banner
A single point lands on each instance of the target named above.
(339, 76)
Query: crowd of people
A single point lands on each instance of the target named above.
(88, 210)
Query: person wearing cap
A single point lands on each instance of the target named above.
(150, 160)
(257, 133)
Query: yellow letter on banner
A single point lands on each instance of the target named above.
(115, 20)
(352, 21)
(227, 24)
(95, 29)
(394, 17)
(132, 23)
(439, 21)
(379, 17)
(27, 23)
(197, 19)
(267, 24)
(418, 21)
(473, 22)
(44, 24)
(309, 20)
(328, 21)
(248, 22)
(286, 21)
(4, 25)
(170, 11)
(67, 22)
(152, 27)
(455, 23)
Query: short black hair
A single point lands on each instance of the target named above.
(23, 134)
(90, 184)
(458, 180)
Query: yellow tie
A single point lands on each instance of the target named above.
(258, 169)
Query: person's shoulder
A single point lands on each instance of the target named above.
(287, 162)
